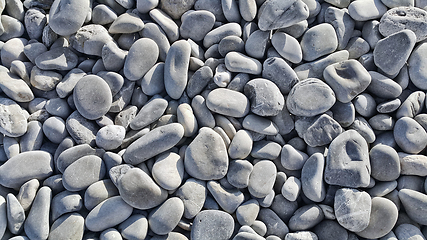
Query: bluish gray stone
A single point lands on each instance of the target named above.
(209, 224)
(66, 17)
(274, 14)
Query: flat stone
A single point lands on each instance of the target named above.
(35, 20)
(266, 150)
(176, 71)
(265, 97)
(287, 46)
(61, 58)
(126, 23)
(291, 189)
(67, 17)
(166, 217)
(168, 170)
(347, 162)
(154, 142)
(227, 199)
(404, 17)
(412, 105)
(141, 58)
(203, 115)
(366, 10)
(69, 226)
(113, 58)
(65, 202)
(103, 14)
(193, 194)
(22, 168)
(310, 97)
(228, 102)
(352, 209)
(318, 41)
(108, 213)
(54, 129)
(206, 156)
(413, 164)
(211, 6)
(322, 131)
(256, 44)
(149, 113)
(342, 23)
(13, 120)
(306, 217)
(37, 224)
(382, 220)
(44, 80)
(312, 183)
(196, 24)
(389, 88)
(12, 28)
(262, 178)
(402, 44)
(416, 66)
(83, 172)
(209, 224)
(238, 62)
(347, 79)
(276, 14)
(410, 136)
(231, 44)
(385, 164)
(136, 226)
(247, 212)
(90, 39)
(98, 192)
(73, 153)
(363, 128)
(27, 193)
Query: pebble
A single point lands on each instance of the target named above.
(275, 226)
(196, 24)
(15, 88)
(27, 193)
(37, 225)
(193, 194)
(301, 235)
(291, 158)
(313, 42)
(98, 192)
(408, 231)
(110, 137)
(83, 172)
(69, 226)
(67, 17)
(412, 105)
(57, 59)
(312, 183)
(228, 102)
(54, 129)
(366, 10)
(310, 97)
(214, 163)
(238, 62)
(277, 14)
(65, 202)
(347, 78)
(3, 216)
(410, 136)
(352, 209)
(348, 153)
(382, 220)
(227, 199)
(413, 17)
(126, 23)
(103, 14)
(90, 39)
(306, 217)
(219, 223)
(145, 49)
(385, 163)
(21, 168)
(287, 46)
(165, 218)
(15, 214)
(274, 69)
(266, 150)
(322, 131)
(265, 97)
(291, 189)
(262, 178)
(136, 226)
(108, 213)
(414, 204)
(168, 170)
(412, 164)
(176, 71)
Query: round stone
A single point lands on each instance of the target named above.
(193, 194)
(54, 129)
(410, 135)
(212, 224)
(262, 178)
(306, 217)
(318, 41)
(66, 17)
(83, 172)
(166, 217)
(310, 97)
(196, 24)
(70, 226)
(266, 98)
(110, 137)
(385, 164)
(92, 97)
(141, 58)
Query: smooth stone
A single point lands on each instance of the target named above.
(241, 145)
(123, 97)
(168, 170)
(287, 46)
(141, 58)
(65, 202)
(126, 23)
(312, 182)
(315, 69)
(363, 128)
(108, 213)
(416, 65)
(69, 226)
(385, 163)
(11, 147)
(54, 129)
(57, 59)
(342, 23)
(352, 209)
(217, 34)
(318, 41)
(238, 62)
(92, 97)
(412, 17)
(364, 104)
(291, 158)
(110, 137)
(265, 97)
(143, 194)
(13, 28)
(266, 150)
(187, 119)
(67, 84)
(152, 82)
(283, 207)
(347, 78)
(37, 225)
(410, 182)
(82, 173)
(22, 168)
(382, 220)
(284, 121)
(149, 113)
(412, 105)
(247, 212)
(125, 116)
(275, 14)
(402, 43)
(347, 161)
(366, 10)
(169, 26)
(198, 81)
(3, 215)
(389, 88)
(408, 231)
(214, 163)
(412, 164)
(357, 47)
(27, 193)
(310, 97)
(306, 217)
(329, 229)
(193, 194)
(262, 178)
(15, 88)
(176, 71)
(275, 226)
(44, 80)
(58, 107)
(154, 142)
(103, 14)
(279, 72)
(222, 76)
(231, 44)
(382, 122)
(382, 188)
(135, 227)
(231, 10)
(98, 192)
(166, 217)
(299, 235)
(389, 106)
(73, 153)
(214, 7)
(209, 224)
(410, 136)
(110, 233)
(227, 199)
(256, 44)
(15, 214)
(322, 131)
(291, 189)
(196, 24)
(113, 58)
(203, 115)
(228, 102)
(66, 17)
(90, 39)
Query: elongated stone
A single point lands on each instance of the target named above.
(176, 68)
(228, 102)
(141, 57)
(37, 224)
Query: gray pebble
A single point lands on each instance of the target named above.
(231, 44)
(44, 80)
(69, 14)
(366, 10)
(55, 183)
(347, 79)
(193, 194)
(37, 225)
(67, 84)
(15, 88)
(143, 48)
(259, 125)
(408, 231)
(364, 129)
(227, 199)
(306, 217)
(352, 209)
(13, 28)
(342, 23)
(65, 202)
(383, 87)
(382, 188)
(57, 59)
(27, 193)
(73, 153)
(322, 131)
(113, 58)
(3, 215)
(54, 129)
(266, 150)
(291, 189)
(312, 182)
(82, 173)
(412, 164)
(385, 164)
(357, 47)
(103, 14)
(90, 39)
(167, 24)
(98, 192)
(416, 63)
(310, 97)
(299, 235)
(214, 164)
(410, 135)
(318, 41)
(176, 71)
(69, 226)
(279, 72)
(203, 115)
(228, 102)
(256, 44)
(11, 147)
(265, 97)
(414, 18)
(315, 69)
(135, 227)
(247, 212)
(107, 214)
(356, 172)
(165, 218)
(155, 32)
(15, 214)
(196, 24)
(110, 137)
(329, 229)
(123, 97)
(21, 168)
(262, 178)
(58, 107)
(291, 158)
(280, 14)
(168, 170)
(237, 62)
(389, 106)
(209, 224)
(126, 23)
(287, 46)
(412, 105)
(35, 20)
(13, 49)
(382, 122)
(365, 105)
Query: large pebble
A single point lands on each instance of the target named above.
(389, 88)
(352, 209)
(318, 41)
(90, 39)
(154, 142)
(291, 158)
(168, 170)
(22, 167)
(279, 72)
(315, 69)
(347, 162)
(228, 102)
(193, 194)
(410, 135)
(206, 156)
(69, 226)
(197, 24)
(98, 192)
(414, 203)
(227, 199)
(15, 214)
(262, 178)
(275, 225)
(408, 231)
(265, 97)
(366, 10)
(83, 172)
(37, 225)
(12, 120)
(274, 14)
(176, 68)
(238, 62)
(416, 66)
(57, 59)
(166, 217)
(15, 88)
(322, 131)
(312, 182)
(385, 164)
(65, 202)
(107, 214)
(212, 224)
(382, 220)
(149, 113)
(141, 58)
(306, 217)
(126, 23)
(92, 97)
(135, 227)
(66, 16)
(310, 97)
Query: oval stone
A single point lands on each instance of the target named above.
(67, 16)
(176, 68)
(154, 142)
(70, 226)
(410, 136)
(141, 57)
(266, 98)
(352, 209)
(13, 122)
(92, 97)
(166, 217)
(415, 204)
(228, 102)
(262, 178)
(310, 97)
(83, 172)
(212, 224)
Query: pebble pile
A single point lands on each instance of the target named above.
(213, 119)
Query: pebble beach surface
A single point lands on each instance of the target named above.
(213, 119)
